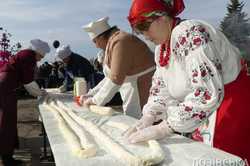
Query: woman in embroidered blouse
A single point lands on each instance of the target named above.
(194, 61)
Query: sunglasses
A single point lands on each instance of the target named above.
(141, 27)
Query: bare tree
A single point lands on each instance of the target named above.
(5, 42)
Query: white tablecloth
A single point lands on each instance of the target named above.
(179, 151)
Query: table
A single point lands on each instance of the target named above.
(179, 150)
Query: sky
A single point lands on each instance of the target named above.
(62, 20)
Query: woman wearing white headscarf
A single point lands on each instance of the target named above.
(19, 71)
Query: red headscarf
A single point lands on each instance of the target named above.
(140, 9)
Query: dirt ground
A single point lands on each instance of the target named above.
(28, 123)
(29, 127)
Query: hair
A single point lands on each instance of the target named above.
(108, 33)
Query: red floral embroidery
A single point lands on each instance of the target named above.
(201, 29)
(197, 136)
(188, 109)
(202, 115)
(203, 73)
(177, 45)
(154, 91)
(209, 70)
(195, 115)
(197, 92)
(158, 83)
(194, 38)
(183, 40)
(207, 95)
(217, 64)
(194, 81)
(161, 102)
(202, 95)
(190, 112)
(195, 73)
(197, 41)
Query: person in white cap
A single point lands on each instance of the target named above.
(76, 66)
(41, 48)
(128, 67)
(17, 72)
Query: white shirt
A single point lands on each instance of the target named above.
(191, 87)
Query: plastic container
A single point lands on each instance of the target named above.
(80, 86)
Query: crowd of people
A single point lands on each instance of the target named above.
(50, 75)
(56, 75)
(194, 83)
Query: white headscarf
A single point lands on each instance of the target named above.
(63, 52)
(39, 46)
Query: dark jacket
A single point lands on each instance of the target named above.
(78, 66)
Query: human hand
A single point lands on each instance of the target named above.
(145, 121)
(62, 89)
(88, 102)
(45, 96)
(129, 131)
(44, 92)
(152, 132)
(83, 98)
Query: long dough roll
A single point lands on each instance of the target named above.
(113, 147)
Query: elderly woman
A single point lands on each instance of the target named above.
(194, 62)
(17, 72)
(128, 67)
